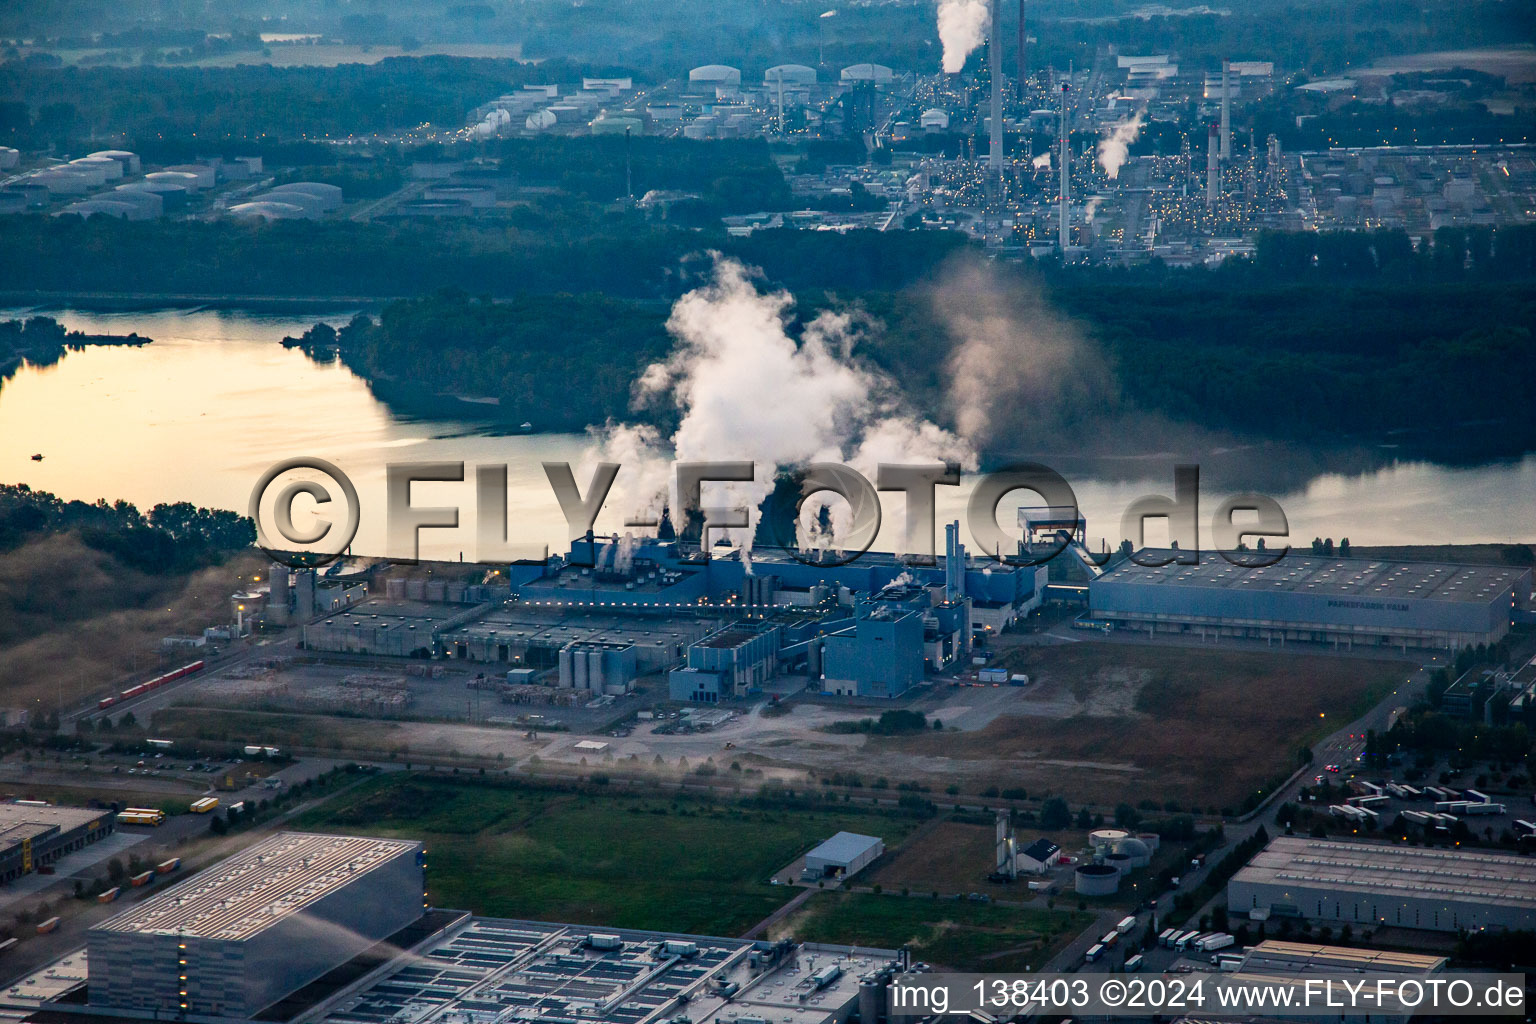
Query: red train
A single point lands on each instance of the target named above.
(153, 684)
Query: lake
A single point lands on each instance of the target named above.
(201, 413)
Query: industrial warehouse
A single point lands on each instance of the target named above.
(327, 929)
(1340, 601)
(239, 937)
(1375, 884)
(34, 834)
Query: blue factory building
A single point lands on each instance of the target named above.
(731, 662)
(872, 627)
(881, 656)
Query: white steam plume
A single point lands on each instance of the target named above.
(1091, 208)
(748, 391)
(1041, 162)
(1115, 146)
(962, 28)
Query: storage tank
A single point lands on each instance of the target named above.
(120, 209)
(394, 589)
(268, 211)
(190, 182)
(9, 157)
(206, 176)
(148, 204)
(1121, 862)
(1152, 840)
(1102, 840)
(111, 170)
(313, 207)
(871, 998)
(60, 182)
(879, 74)
(1097, 880)
(128, 161)
(1134, 849)
(95, 174)
(714, 75)
(328, 196)
(790, 75)
(172, 196)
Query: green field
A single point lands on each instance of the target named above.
(631, 862)
(959, 935)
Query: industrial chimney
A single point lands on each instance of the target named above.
(1066, 174)
(1212, 167)
(995, 58)
(1019, 83)
(1226, 111)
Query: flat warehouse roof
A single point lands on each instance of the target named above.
(253, 890)
(845, 847)
(12, 815)
(1310, 957)
(1360, 578)
(534, 971)
(1396, 871)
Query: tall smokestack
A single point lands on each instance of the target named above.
(1066, 174)
(1226, 111)
(1212, 167)
(1019, 84)
(995, 58)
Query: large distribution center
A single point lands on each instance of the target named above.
(1343, 601)
(261, 924)
(532, 972)
(1376, 884)
(32, 834)
(443, 966)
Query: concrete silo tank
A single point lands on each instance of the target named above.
(1097, 880)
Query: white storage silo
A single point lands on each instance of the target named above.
(188, 181)
(128, 161)
(112, 170)
(267, 211)
(328, 196)
(207, 176)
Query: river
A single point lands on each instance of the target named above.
(201, 413)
